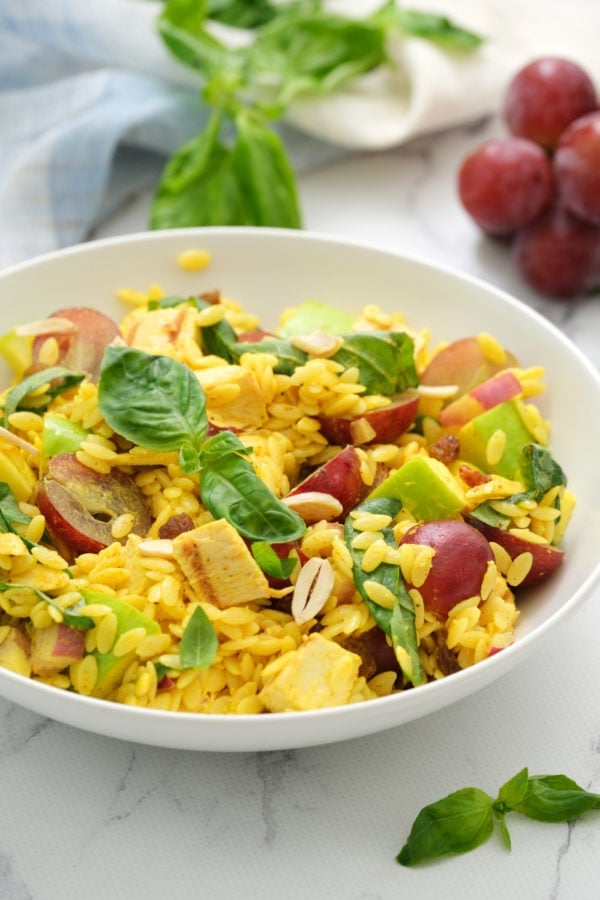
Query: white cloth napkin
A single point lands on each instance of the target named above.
(91, 103)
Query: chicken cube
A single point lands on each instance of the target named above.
(320, 673)
(234, 398)
(219, 566)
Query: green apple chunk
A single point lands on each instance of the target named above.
(426, 488)
(313, 315)
(475, 436)
(111, 667)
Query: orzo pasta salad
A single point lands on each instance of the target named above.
(201, 515)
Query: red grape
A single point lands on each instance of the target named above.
(577, 167)
(545, 96)
(505, 184)
(558, 254)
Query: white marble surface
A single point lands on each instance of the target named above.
(91, 817)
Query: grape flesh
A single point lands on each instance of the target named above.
(577, 167)
(505, 184)
(559, 254)
(545, 96)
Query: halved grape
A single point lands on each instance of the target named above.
(505, 184)
(577, 167)
(545, 96)
(559, 254)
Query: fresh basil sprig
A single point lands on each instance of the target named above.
(398, 622)
(158, 403)
(236, 171)
(465, 819)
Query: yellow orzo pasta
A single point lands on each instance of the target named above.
(218, 519)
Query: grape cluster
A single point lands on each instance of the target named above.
(539, 187)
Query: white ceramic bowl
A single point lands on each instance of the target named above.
(268, 270)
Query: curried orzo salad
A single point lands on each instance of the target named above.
(200, 515)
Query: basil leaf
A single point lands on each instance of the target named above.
(540, 471)
(398, 622)
(241, 13)
(460, 822)
(231, 489)
(288, 356)
(436, 28)
(512, 792)
(153, 401)
(11, 513)
(270, 563)
(312, 51)
(59, 380)
(182, 27)
(385, 361)
(489, 516)
(219, 340)
(71, 615)
(199, 642)
(198, 185)
(388, 574)
(404, 634)
(260, 163)
(555, 798)
(9, 509)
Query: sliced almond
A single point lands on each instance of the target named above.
(312, 590)
(319, 343)
(19, 442)
(314, 506)
(443, 391)
(159, 547)
(52, 325)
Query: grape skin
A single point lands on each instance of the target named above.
(577, 167)
(505, 184)
(558, 254)
(545, 96)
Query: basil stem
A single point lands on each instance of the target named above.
(398, 622)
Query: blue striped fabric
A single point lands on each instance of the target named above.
(78, 81)
(91, 105)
